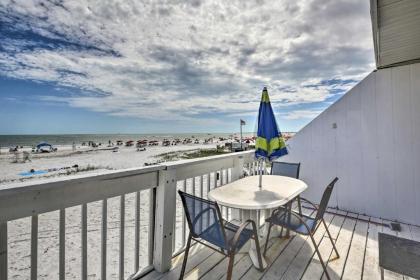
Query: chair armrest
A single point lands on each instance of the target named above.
(241, 229)
(291, 212)
(309, 202)
(278, 209)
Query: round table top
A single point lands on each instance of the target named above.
(245, 193)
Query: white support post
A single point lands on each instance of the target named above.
(237, 169)
(164, 220)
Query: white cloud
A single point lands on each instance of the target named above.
(302, 114)
(177, 60)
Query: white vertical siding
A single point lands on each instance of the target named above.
(403, 168)
(375, 149)
(396, 32)
(384, 116)
(369, 150)
(415, 117)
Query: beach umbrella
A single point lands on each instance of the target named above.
(269, 144)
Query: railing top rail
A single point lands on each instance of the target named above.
(95, 176)
(32, 198)
(182, 163)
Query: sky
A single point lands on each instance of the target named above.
(159, 66)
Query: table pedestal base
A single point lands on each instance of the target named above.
(252, 251)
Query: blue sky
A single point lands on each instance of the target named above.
(177, 66)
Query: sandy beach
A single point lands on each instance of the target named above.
(85, 158)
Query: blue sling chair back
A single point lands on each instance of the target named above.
(206, 224)
(304, 224)
(288, 169)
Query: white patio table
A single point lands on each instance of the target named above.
(245, 195)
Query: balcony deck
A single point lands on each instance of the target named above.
(149, 194)
(295, 258)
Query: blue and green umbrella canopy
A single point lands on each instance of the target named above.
(269, 144)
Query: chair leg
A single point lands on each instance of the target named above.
(319, 256)
(230, 266)
(331, 239)
(184, 263)
(267, 238)
(299, 205)
(289, 217)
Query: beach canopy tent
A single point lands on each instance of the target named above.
(44, 144)
(44, 147)
(269, 143)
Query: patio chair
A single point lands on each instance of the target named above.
(207, 225)
(303, 224)
(287, 169)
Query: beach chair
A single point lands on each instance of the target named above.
(208, 227)
(288, 169)
(303, 224)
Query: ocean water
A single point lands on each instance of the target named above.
(68, 139)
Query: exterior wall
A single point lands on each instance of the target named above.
(374, 149)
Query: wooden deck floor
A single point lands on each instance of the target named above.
(295, 258)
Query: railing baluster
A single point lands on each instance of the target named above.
(224, 181)
(228, 180)
(208, 183)
(223, 209)
(215, 180)
(227, 176)
(184, 222)
(3, 250)
(208, 190)
(104, 238)
(122, 227)
(34, 247)
(174, 232)
(202, 186)
(137, 235)
(202, 196)
(84, 241)
(151, 230)
(62, 246)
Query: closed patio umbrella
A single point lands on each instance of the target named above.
(269, 144)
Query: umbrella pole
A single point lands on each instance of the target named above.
(260, 167)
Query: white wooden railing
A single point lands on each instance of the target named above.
(166, 226)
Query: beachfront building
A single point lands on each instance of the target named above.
(370, 138)
(131, 224)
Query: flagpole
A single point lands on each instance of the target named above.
(240, 126)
